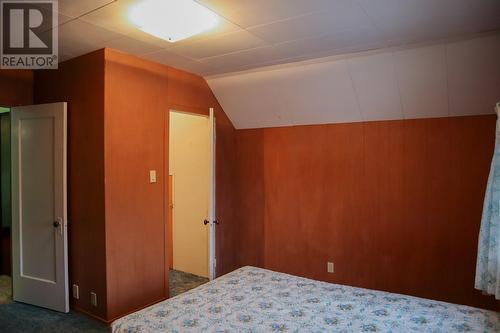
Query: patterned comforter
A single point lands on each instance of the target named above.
(257, 300)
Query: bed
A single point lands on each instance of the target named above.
(252, 299)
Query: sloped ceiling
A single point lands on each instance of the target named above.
(256, 33)
(299, 62)
(439, 80)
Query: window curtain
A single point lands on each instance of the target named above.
(488, 256)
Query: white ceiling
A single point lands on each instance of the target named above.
(256, 33)
(437, 80)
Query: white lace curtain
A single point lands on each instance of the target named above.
(488, 256)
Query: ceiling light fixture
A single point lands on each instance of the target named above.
(173, 20)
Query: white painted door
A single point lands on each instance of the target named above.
(211, 195)
(39, 216)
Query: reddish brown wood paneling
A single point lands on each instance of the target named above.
(139, 95)
(134, 144)
(118, 131)
(250, 198)
(80, 82)
(16, 87)
(395, 204)
(225, 192)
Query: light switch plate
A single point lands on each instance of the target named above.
(330, 267)
(152, 176)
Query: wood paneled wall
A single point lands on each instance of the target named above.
(139, 95)
(250, 197)
(396, 205)
(80, 83)
(118, 131)
(16, 87)
(135, 110)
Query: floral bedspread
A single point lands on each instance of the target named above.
(257, 300)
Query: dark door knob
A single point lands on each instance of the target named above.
(56, 224)
(205, 222)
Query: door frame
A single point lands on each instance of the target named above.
(212, 219)
(212, 260)
(169, 218)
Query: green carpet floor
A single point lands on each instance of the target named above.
(5, 289)
(22, 318)
(181, 282)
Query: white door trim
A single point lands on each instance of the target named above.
(211, 195)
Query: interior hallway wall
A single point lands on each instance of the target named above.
(189, 165)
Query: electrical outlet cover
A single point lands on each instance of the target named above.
(76, 291)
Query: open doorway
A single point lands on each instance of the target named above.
(189, 226)
(5, 208)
